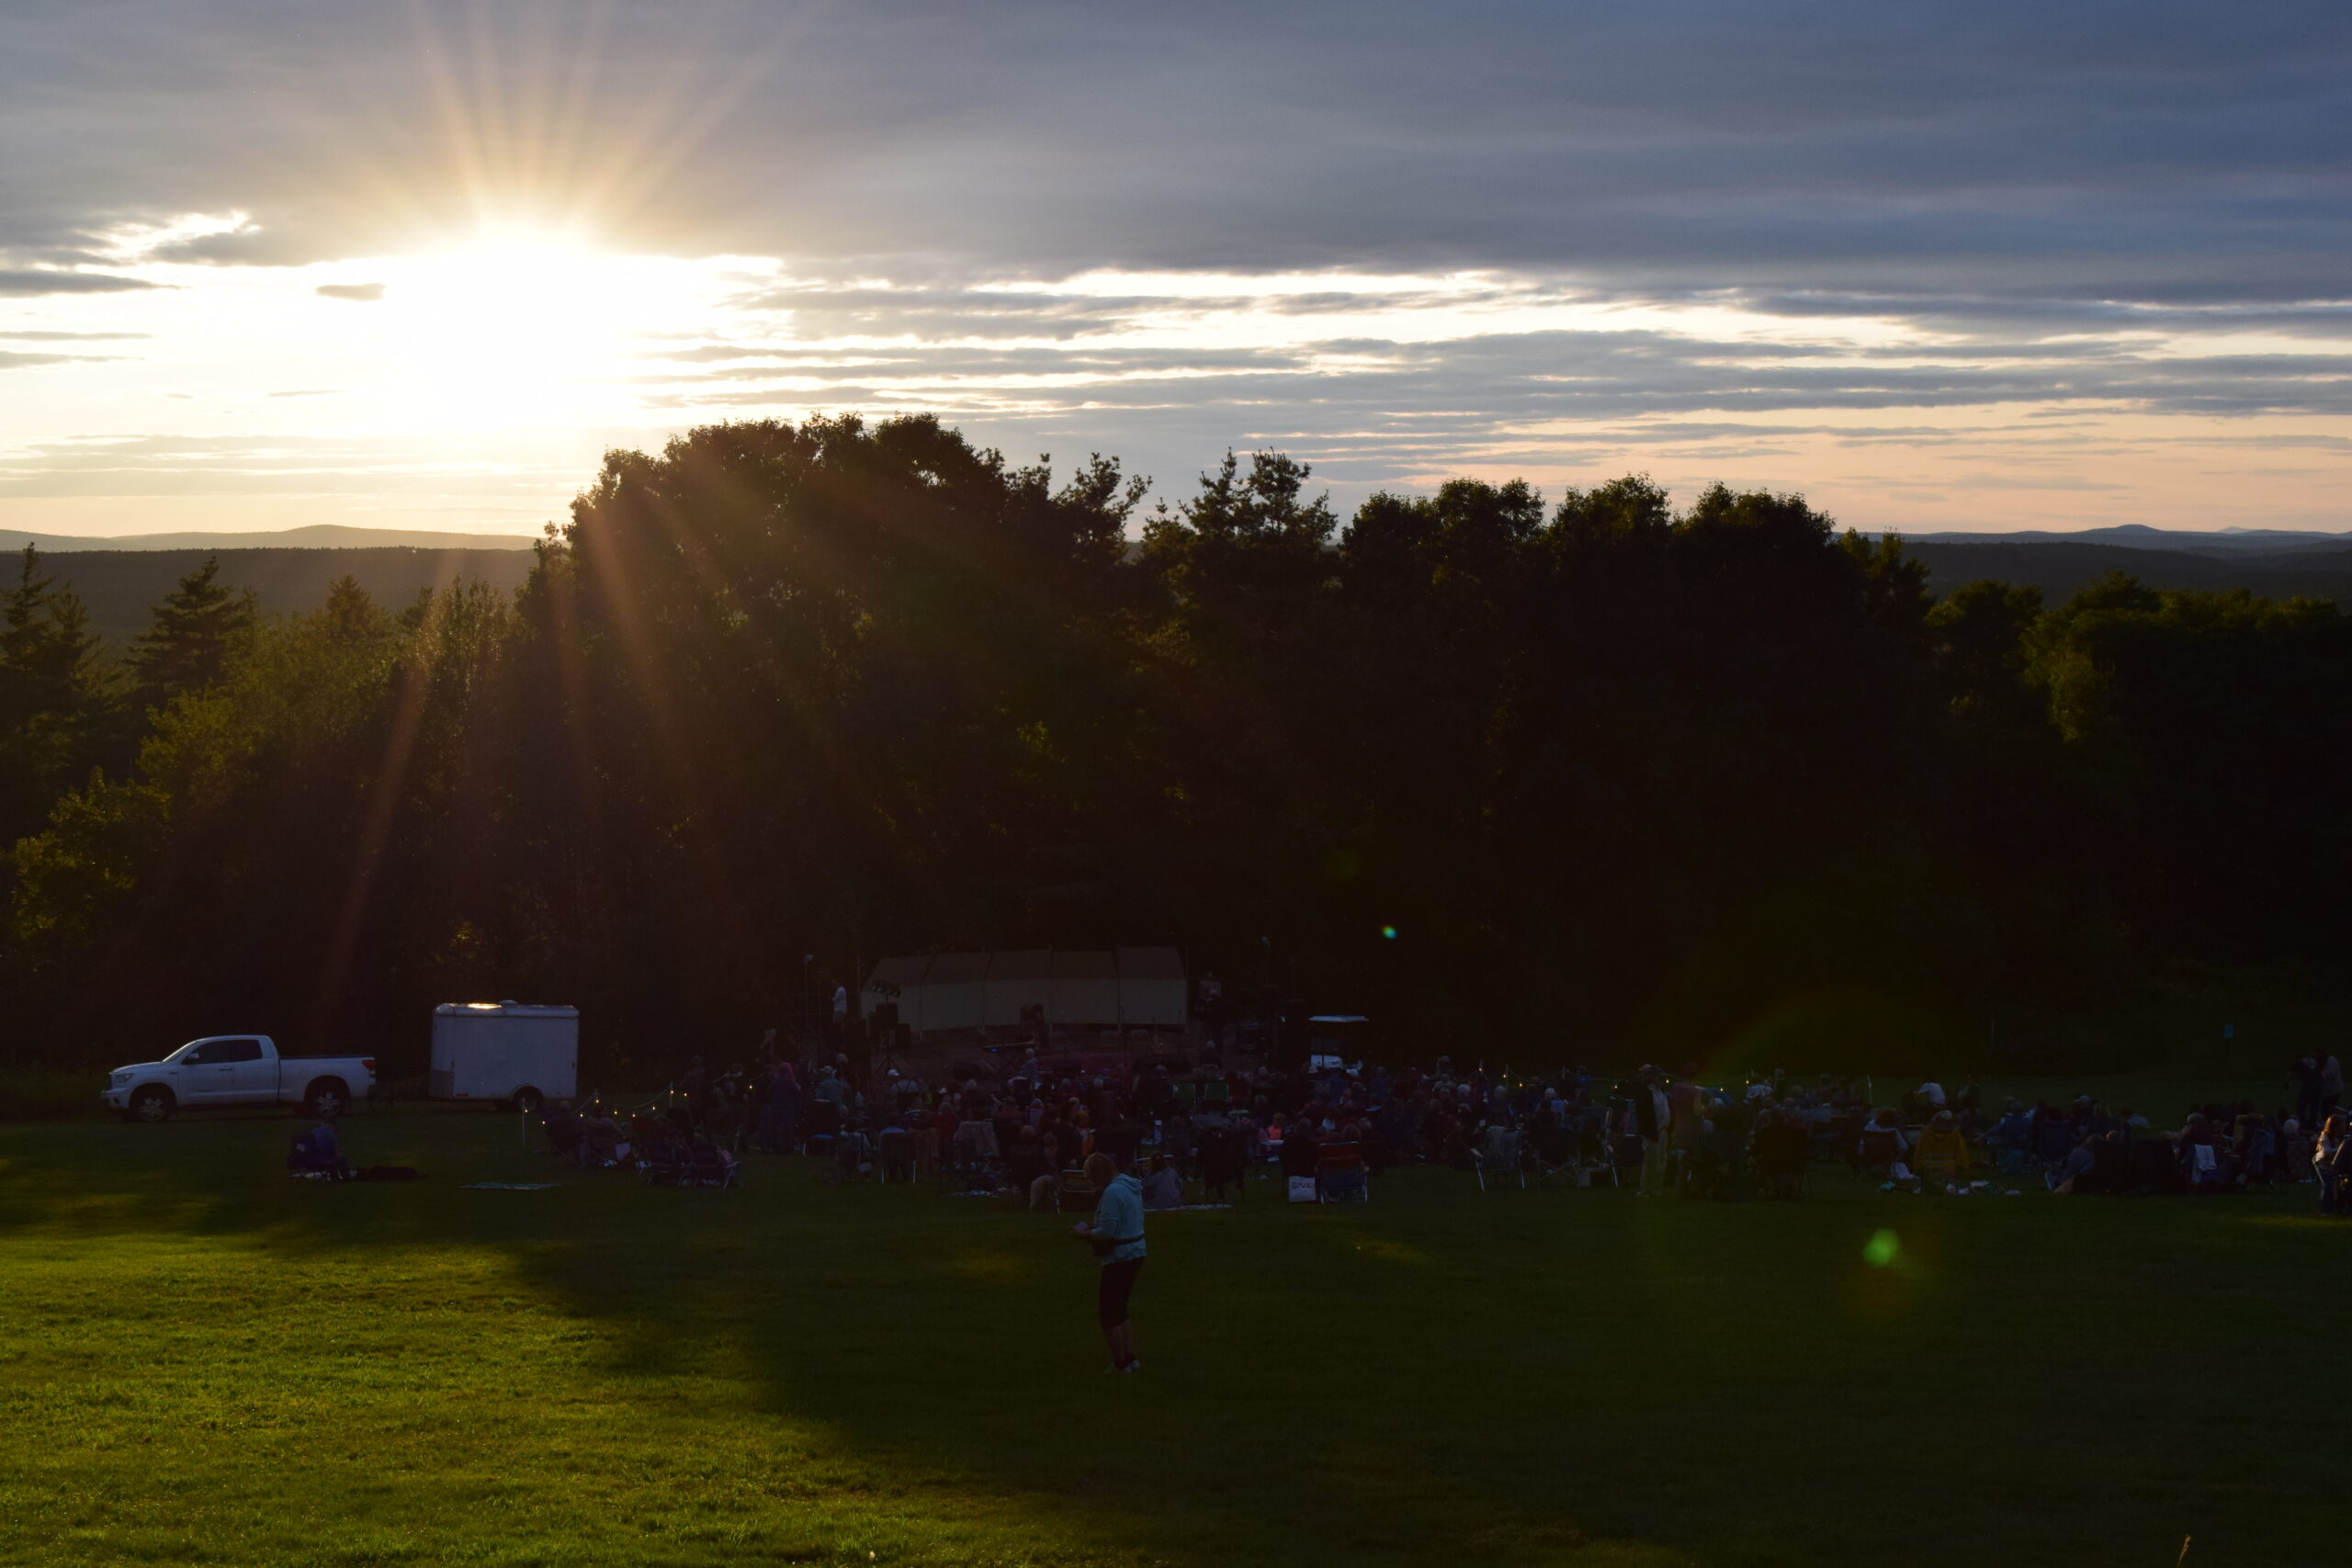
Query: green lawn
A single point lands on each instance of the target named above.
(202, 1362)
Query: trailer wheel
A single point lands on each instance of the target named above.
(326, 1099)
(152, 1104)
(528, 1100)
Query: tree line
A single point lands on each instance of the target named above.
(1592, 778)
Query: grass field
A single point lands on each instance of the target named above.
(202, 1362)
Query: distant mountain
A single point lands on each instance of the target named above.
(121, 587)
(2060, 565)
(318, 537)
(2139, 535)
(120, 580)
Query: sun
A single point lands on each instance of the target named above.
(517, 327)
(523, 327)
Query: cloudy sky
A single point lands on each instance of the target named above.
(1995, 266)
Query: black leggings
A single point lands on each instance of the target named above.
(1110, 1296)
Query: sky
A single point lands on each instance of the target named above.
(408, 263)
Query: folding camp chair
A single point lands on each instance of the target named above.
(895, 1149)
(1223, 1161)
(1625, 1149)
(660, 1161)
(599, 1142)
(1550, 1154)
(1594, 1160)
(707, 1165)
(562, 1130)
(1075, 1191)
(308, 1156)
(964, 1169)
(1877, 1150)
(853, 1157)
(1340, 1174)
(1498, 1153)
(2262, 1162)
(1780, 1156)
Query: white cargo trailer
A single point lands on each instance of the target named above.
(515, 1054)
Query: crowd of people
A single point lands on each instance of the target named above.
(1203, 1127)
(1932, 1139)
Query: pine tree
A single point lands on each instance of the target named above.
(189, 638)
(51, 693)
(24, 625)
(45, 636)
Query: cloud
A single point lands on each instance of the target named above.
(70, 337)
(28, 282)
(365, 292)
(177, 464)
(1837, 145)
(1056, 223)
(310, 392)
(1556, 375)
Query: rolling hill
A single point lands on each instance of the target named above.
(317, 536)
(122, 581)
(121, 586)
(2059, 567)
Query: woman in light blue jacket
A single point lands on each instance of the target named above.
(1116, 1235)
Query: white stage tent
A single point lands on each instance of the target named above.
(1132, 987)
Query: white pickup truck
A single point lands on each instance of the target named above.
(238, 1069)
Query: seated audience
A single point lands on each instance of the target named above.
(1162, 1189)
(1942, 1154)
(1032, 1173)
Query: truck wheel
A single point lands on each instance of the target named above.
(150, 1105)
(527, 1101)
(327, 1100)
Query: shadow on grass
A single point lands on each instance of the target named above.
(1511, 1377)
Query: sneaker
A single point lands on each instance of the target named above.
(1134, 1366)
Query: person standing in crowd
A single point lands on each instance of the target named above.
(1653, 1119)
(780, 1111)
(1116, 1235)
(2332, 1163)
(1686, 1104)
(2331, 1080)
(2303, 1075)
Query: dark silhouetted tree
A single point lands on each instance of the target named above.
(184, 647)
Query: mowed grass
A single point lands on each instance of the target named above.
(203, 1361)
